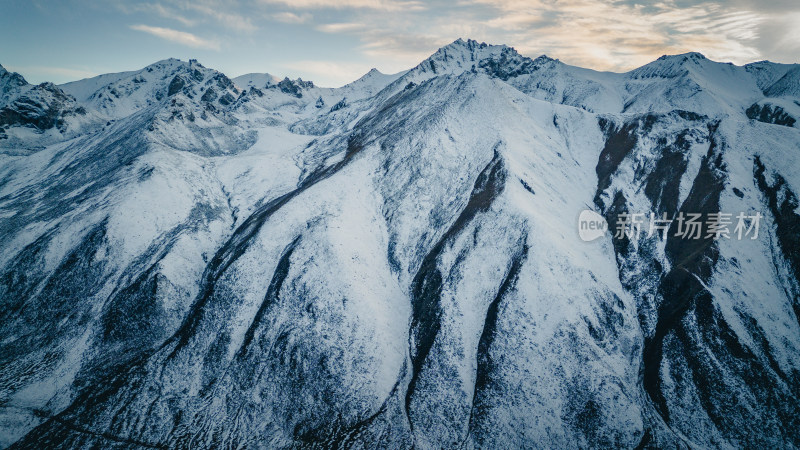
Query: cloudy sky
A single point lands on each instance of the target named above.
(334, 41)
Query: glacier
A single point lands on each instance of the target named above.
(193, 261)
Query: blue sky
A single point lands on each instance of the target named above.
(333, 42)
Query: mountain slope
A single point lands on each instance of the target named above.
(395, 263)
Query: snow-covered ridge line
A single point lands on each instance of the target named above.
(720, 88)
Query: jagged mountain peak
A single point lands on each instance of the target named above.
(479, 51)
(294, 88)
(121, 94)
(688, 56)
(468, 45)
(261, 81)
(497, 61)
(34, 107)
(9, 81)
(171, 63)
(27, 112)
(462, 55)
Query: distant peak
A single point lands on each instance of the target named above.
(457, 43)
(373, 73)
(541, 59)
(461, 56)
(191, 68)
(294, 87)
(11, 79)
(467, 50)
(173, 62)
(469, 44)
(694, 56)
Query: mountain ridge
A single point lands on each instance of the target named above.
(196, 262)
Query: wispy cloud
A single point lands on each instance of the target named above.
(619, 35)
(607, 35)
(223, 16)
(179, 37)
(341, 27)
(792, 39)
(290, 17)
(171, 14)
(193, 13)
(156, 10)
(380, 5)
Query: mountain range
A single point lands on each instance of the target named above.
(193, 261)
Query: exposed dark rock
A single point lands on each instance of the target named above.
(427, 285)
(768, 113)
(294, 87)
(209, 95)
(175, 85)
(783, 205)
(42, 107)
(339, 105)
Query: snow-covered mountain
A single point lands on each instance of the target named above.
(193, 261)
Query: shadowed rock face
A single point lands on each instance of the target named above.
(199, 267)
(686, 335)
(783, 206)
(770, 114)
(41, 107)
